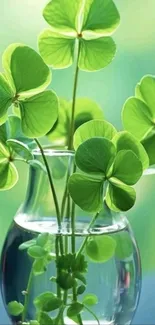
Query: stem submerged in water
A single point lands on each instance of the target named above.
(26, 302)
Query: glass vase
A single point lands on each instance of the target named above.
(108, 290)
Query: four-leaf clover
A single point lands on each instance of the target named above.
(106, 172)
(23, 85)
(91, 22)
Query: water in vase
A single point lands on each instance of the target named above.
(115, 283)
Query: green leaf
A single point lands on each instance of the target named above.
(85, 110)
(65, 280)
(124, 246)
(4, 152)
(90, 299)
(36, 252)
(149, 145)
(95, 155)
(66, 262)
(91, 129)
(81, 289)
(101, 18)
(96, 54)
(39, 266)
(27, 244)
(42, 239)
(127, 167)
(25, 69)
(39, 113)
(6, 96)
(119, 196)
(81, 264)
(86, 192)
(62, 15)
(47, 302)
(20, 149)
(80, 277)
(15, 308)
(147, 90)
(45, 319)
(3, 119)
(4, 130)
(126, 141)
(34, 322)
(8, 175)
(74, 309)
(100, 249)
(137, 118)
(56, 50)
(59, 132)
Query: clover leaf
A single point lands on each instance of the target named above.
(95, 128)
(138, 115)
(8, 172)
(105, 172)
(85, 110)
(23, 85)
(90, 22)
(13, 146)
(125, 141)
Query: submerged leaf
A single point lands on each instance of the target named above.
(15, 308)
(74, 309)
(45, 319)
(90, 299)
(100, 249)
(47, 302)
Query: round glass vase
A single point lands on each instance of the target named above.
(107, 290)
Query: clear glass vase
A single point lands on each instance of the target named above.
(115, 283)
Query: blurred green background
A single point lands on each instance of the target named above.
(21, 21)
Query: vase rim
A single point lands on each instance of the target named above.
(54, 152)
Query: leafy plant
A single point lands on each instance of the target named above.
(80, 32)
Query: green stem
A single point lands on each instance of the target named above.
(53, 191)
(91, 312)
(86, 239)
(57, 256)
(50, 181)
(71, 133)
(26, 302)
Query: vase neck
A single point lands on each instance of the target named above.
(39, 201)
